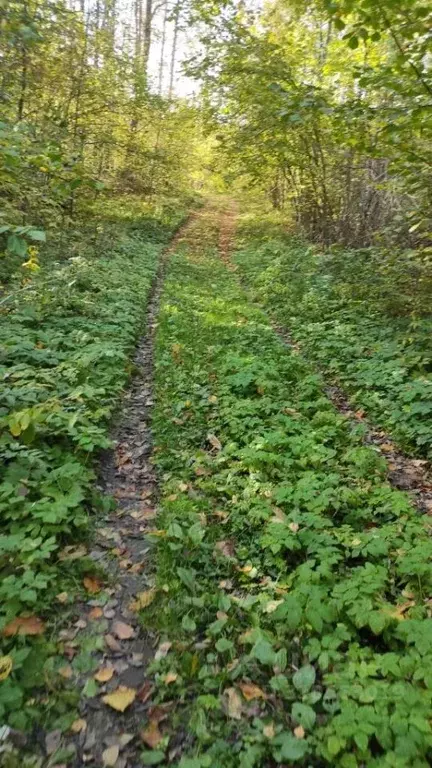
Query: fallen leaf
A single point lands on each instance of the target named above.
(273, 605)
(212, 399)
(269, 731)
(145, 691)
(66, 672)
(6, 665)
(251, 691)
(78, 726)
(162, 651)
(172, 497)
(293, 527)
(386, 447)
(213, 440)
(225, 547)
(120, 699)
(123, 631)
(299, 732)
(92, 584)
(72, 552)
(171, 677)
(104, 674)
(112, 643)
(110, 756)
(96, 613)
(62, 597)
(183, 487)
(143, 599)
(24, 625)
(233, 703)
(147, 513)
(151, 735)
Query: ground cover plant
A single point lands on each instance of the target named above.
(293, 581)
(363, 316)
(67, 341)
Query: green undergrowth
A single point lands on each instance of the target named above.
(292, 580)
(362, 316)
(66, 346)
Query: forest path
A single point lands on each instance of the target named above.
(106, 642)
(118, 714)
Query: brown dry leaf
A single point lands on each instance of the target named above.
(151, 735)
(66, 672)
(24, 625)
(96, 613)
(225, 547)
(143, 599)
(171, 677)
(92, 584)
(110, 756)
(233, 703)
(62, 597)
(78, 726)
(120, 699)
(359, 414)
(213, 440)
(251, 691)
(299, 732)
(145, 691)
(112, 643)
(294, 527)
(104, 674)
(201, 471)
(269, 731)
(122, 631)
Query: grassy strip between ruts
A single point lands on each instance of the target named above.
(66, 344)
(363, 316)
(294, 581)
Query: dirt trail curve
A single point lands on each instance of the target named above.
(105, 626)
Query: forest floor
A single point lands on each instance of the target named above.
(261, 587)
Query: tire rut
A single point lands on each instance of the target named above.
(106, 632)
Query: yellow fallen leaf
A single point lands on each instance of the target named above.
(104, 674)
(6, 665)
(171, 677)
(183, 487)
(66, 672)
(78, 726)
(62, 597)
(143, 599)
(212, 399)
(110, 756)
(251, 691)
(299, 732)
(120, 699)
(293, 527)
(272, 606)
(269, 731)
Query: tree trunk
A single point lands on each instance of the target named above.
(174, 50)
